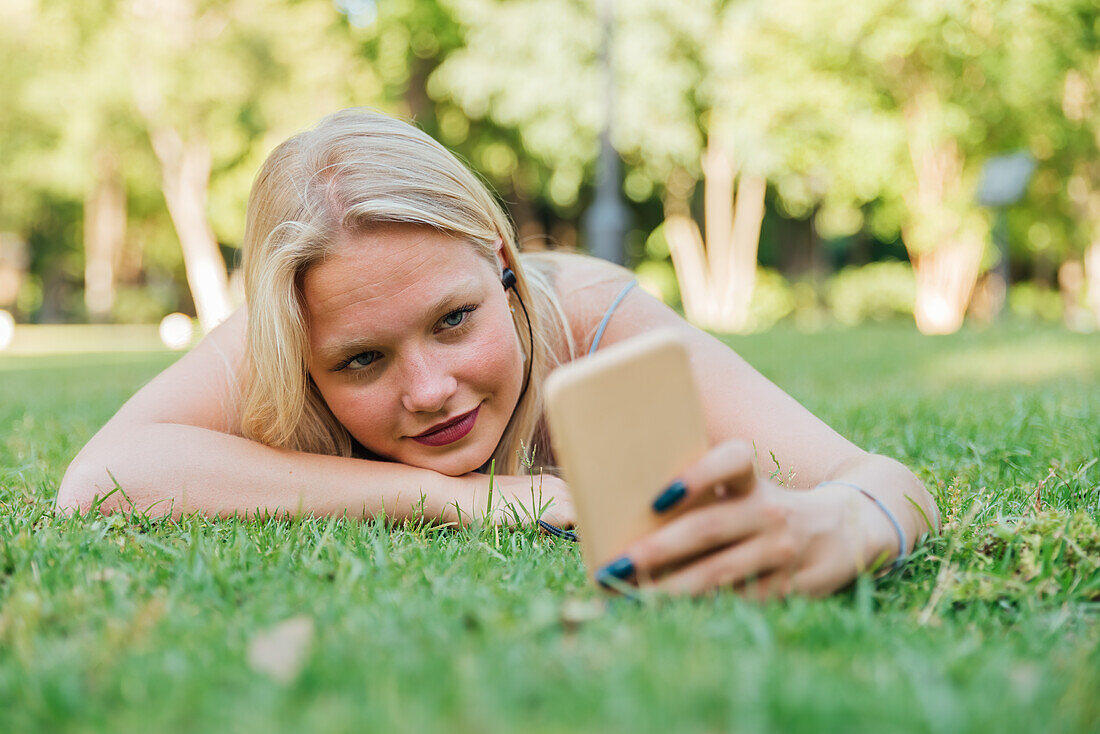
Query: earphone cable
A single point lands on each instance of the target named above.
(531, 342)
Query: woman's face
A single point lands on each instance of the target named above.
(412, 346)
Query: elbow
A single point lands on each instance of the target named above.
(82, 490)
(921, 498)
(906, 483)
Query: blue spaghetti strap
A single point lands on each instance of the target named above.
(607, 316)
(553, 529)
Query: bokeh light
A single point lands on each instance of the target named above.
(7, 329)
(176, 330)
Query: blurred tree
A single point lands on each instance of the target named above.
(205, 85)
(213, 80)
(1078, 99)
(104, 233)
(680, 76)
(27, 129)
(102, 136)
(871, 118)
(30, 187)
(404, 43)
(899, 104)
(532, 65)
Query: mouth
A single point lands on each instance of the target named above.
(448, 431)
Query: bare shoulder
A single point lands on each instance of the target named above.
(203, 388)
(586, 287)
(738, 402)
(574, 274)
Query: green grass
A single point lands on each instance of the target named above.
(124, 625)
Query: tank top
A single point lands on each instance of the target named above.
(607, 316)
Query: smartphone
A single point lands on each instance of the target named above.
(624, 423)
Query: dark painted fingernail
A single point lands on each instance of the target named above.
(673, 494)
(621, 568)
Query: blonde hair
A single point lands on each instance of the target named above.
(355, 169)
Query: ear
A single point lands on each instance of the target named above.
(502, 260)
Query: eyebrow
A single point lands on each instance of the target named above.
(333, 354)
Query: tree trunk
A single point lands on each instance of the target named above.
(689, 261)
(104, 235)
(945, 244)
(945, 278)
(717, 277)
(1092, 280)
(744, 245)
(14, 262)
(1084, 191)
(185, 169)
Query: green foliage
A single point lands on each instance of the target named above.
(238, 76)
(1032, 301)
(772, 299)
(107, 76)
(143, 305)
(876, 291)
(829, 99)
(659, 278)
(542, 84)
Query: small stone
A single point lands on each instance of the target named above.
(280, 651)
(575, 612)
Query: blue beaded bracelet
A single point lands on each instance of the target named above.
(889, 515)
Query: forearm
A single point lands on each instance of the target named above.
(165, 468)
(898, 489)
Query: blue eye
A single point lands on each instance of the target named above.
(360, 361)
(457, 317)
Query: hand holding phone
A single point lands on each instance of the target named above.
(624, 422)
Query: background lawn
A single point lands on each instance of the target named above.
(120, 624)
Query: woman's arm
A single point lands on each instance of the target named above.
(803, 541)
(740, 404)
(174, 448)
(168, 468)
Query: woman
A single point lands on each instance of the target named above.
(381, 366)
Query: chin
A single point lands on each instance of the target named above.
(457, 464)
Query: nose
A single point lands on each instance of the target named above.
(427, 383)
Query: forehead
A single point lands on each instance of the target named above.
(385, 276)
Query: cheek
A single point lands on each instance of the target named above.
(494, 356)
(358, 409)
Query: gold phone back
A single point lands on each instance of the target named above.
(624, 423)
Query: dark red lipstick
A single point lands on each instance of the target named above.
(448, 431)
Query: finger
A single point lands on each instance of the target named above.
(695, 533)
(554, 510)
(725, 470)
(561, 514)
(738, 563)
